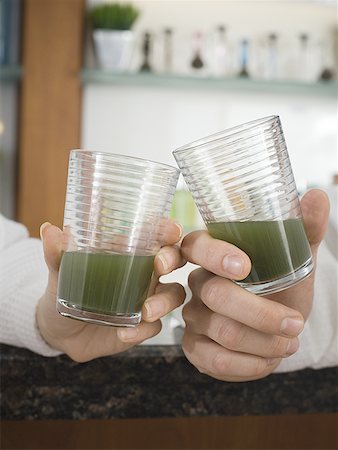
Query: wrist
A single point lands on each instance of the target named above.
(44, 327)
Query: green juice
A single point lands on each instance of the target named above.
(276, 248)
(105, 283)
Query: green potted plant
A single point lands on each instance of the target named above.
(113, 37)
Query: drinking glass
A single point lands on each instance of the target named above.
(115, 222)
(242, 182)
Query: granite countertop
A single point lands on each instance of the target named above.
(149, 381)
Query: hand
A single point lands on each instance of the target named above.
(232, 334)
(84, 341)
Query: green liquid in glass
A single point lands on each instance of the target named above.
(105, 283)
(276, 248)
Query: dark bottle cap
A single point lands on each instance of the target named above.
(273, 37)
(326, 75)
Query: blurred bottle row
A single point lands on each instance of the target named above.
(272, 56)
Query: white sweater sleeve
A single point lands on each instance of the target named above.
(23, 279)
(319, 340)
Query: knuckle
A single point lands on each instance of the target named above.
(259, 367)
(278, 346)
(212, 293)
(263, 318)
(221, 364)
(212, 258)
(270, 316)
(230, 334)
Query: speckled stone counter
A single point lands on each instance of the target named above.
(149, 381)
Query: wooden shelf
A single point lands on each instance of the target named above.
(96, 76)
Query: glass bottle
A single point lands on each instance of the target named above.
(168, 50)
(197, 62)
(272, 56)
(244, 58)
(303, 66)
(146, 50)
(220, 61)
(326, 73)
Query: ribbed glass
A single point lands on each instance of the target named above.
(114, 221)
(250, 164)
(117, 203)
(244, 174)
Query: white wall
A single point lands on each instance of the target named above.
(151, 122)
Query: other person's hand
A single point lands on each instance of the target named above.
(84, 341)
(232, 334)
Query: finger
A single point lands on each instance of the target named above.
(104, 341)
(212, 359)
(172, 232)
(235, 336)
(168, 259)
(52, 239)
(168, 297)
(140, 333)
(228, 299)
(315, 208)
(216, 256)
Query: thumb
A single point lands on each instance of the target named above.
(315, 207)
(52, 240)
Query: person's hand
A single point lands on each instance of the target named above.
(83, 341)
(232, 334)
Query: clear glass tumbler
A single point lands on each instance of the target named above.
(114, 222)
(242, 182)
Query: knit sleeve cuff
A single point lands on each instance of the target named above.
(26, 330)
(23, 280)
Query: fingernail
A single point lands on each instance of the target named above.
(164, 261)
(292, 327)
(154, 308)
(233, 265)
(127, 334)
(179, 226)
(43, 227)
(292, 347)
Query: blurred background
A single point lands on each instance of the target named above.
(148, 78)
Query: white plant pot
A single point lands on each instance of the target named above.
(114, 49)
